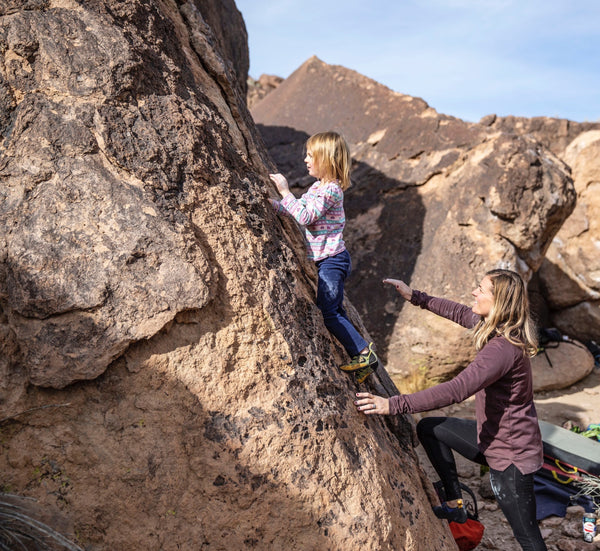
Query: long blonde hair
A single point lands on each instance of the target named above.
(331, 155)
(509, 315)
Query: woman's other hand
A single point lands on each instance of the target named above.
(401, 287)
(369, 403)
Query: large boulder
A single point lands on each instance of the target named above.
(436, 201)
(560, 365)
(555, 134)
(570, 273)
(571, 270)
(100, 252)
(167, 380)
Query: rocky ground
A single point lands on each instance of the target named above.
(578, 404)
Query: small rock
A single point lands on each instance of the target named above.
(575, 511)
(552, 521)
(485, 487)
(573, 529)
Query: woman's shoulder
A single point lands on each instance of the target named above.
(499, 344)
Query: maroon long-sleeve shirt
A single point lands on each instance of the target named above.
(500, 377)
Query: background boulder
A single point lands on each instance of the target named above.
(560, 365)
(570, 274)
(258, 89)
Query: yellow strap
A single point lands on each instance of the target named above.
(563, 468)
(555, 475)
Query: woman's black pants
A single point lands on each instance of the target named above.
(513, 490)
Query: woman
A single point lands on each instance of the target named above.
(506, 435)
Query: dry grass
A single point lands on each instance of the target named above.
(417, 380)
(21, 532)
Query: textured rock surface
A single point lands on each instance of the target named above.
(99, 250)
(570, 273)
(555, 134)
(167, 381)
(436, 201)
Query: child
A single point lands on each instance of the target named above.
(321, 212)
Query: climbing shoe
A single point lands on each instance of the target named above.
(362, 373)
(451, 514)
(361, 361)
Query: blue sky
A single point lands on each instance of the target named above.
(465, 58)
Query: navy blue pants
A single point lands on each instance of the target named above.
(513, 490)
(333, 272)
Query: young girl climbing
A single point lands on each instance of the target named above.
(320, 211)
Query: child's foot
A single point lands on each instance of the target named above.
(362, 373)
(452, 514)
(362, 360)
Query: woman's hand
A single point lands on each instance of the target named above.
(369, 404)
(401, 287)
(280, 183)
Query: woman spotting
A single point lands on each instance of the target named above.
(506, 435)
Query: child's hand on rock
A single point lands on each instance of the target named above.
(280, 183)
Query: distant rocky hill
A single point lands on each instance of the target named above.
(436, 201)
(258, 89)
(167, 380)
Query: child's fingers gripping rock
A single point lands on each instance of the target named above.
(280, 183)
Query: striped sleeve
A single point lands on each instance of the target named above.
(312, 205)
(279, 207)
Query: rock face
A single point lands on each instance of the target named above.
(555, 134)
(570, 273)
(571, 270)
(436, 202)
(104, 253)
(167, 381)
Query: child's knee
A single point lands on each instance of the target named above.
(330, 318)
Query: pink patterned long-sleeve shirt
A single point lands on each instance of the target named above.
(320, 211)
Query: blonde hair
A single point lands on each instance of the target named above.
(331, 155)
(509, 314)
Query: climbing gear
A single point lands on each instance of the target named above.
(452, 514)
(468, 533)
(361, 361)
